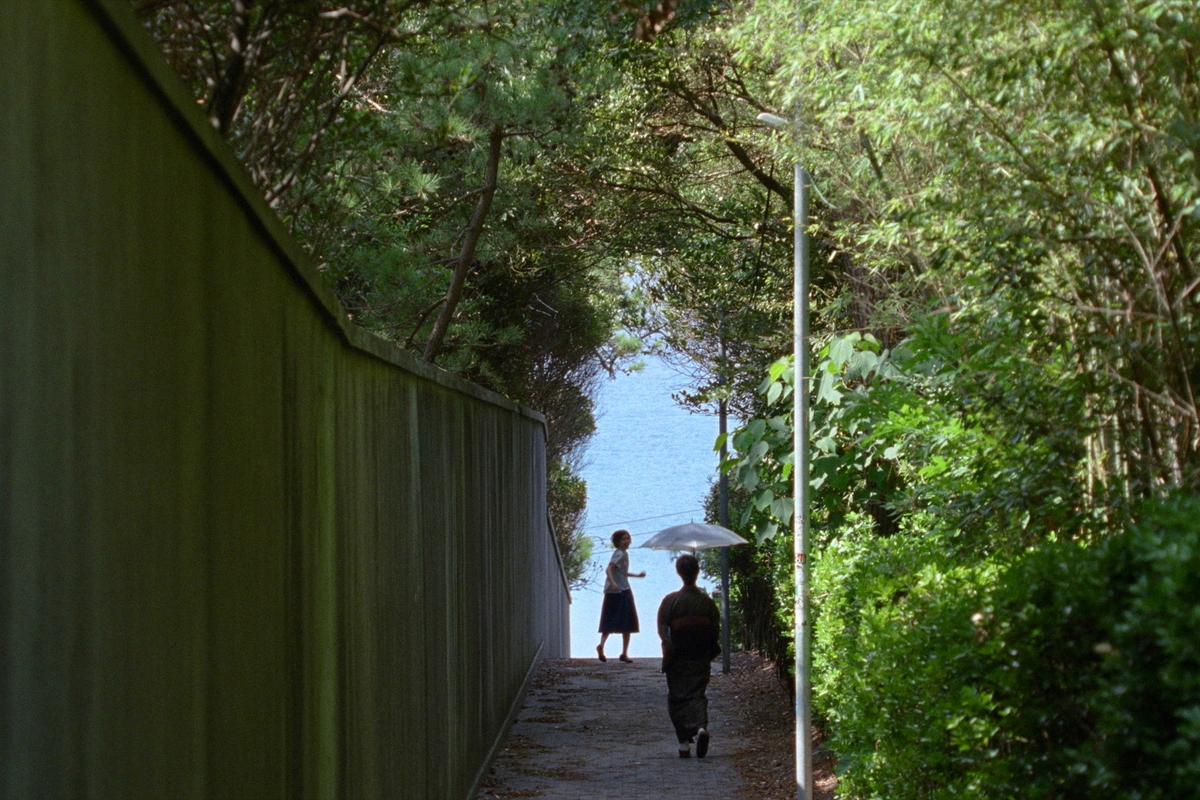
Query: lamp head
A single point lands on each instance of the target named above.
(778, 123)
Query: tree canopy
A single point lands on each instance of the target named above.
(1004, 295)
(1004, 386)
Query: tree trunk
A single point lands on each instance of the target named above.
(437, 336)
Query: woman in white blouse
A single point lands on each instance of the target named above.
(618, 614)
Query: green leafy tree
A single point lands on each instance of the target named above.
(1046, 149)
(426, 154)
(1010, 190)
(283, 80)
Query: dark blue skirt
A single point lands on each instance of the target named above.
(619, 614)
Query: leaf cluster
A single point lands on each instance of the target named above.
(1067, 673)
(1046, 151)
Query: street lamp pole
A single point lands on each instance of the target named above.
(723, 513)
(800, 469)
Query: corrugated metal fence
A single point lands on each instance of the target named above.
(245, 550)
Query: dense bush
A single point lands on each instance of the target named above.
(1070, 671)
(761, 616)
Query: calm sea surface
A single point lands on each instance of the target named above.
(648, 467)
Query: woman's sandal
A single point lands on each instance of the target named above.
(600, 652)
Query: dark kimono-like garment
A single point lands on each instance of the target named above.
(689, 625)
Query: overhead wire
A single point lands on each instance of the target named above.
(643, 519)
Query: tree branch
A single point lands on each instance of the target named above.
(766, 180)
(437, 336)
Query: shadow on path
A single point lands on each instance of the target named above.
(600, 731)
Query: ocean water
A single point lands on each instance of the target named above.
(648, 467)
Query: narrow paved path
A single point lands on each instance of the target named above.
(601, 731)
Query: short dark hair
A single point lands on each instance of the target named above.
(618, 534)
(688, 567)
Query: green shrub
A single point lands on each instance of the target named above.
(893, 637)
(1147, 709)
(1071, 672)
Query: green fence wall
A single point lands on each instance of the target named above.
(246, 550)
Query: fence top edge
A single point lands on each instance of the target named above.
(127, 32)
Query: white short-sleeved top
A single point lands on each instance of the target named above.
(620, 573)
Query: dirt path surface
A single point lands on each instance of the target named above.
(599, 731)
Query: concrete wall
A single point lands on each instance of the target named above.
(246, 550)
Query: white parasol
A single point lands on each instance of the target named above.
(693, 536)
